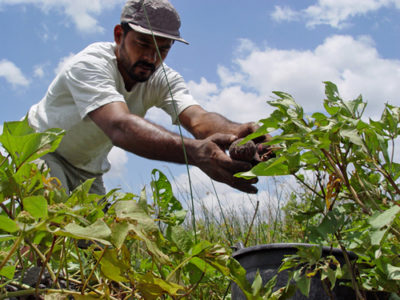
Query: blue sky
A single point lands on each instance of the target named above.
(239, 52)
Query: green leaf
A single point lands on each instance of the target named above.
(24, 145)
(153, 287)
(7, 237)
(393, 272)
(119, 232)
(377, 236)
(8, 272)
(170, 209)
(379, 220)
(112, 266)
(8, 225)
(180, 237)
(36, 206)
(134, 213)
(272, 167)
(304, 284)
(257, 284)
(98, 231)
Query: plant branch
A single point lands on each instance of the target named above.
(309, 187)
(11, 252)
(252, 223)
(342, 175)
(94, 268)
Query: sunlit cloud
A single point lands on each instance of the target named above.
(353, 64)
(336, 14)
(38, 71)
(82, 13)
(12, 74)
(118, 159)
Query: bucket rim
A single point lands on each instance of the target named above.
(281, 246)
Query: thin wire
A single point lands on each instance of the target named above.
(178, 123)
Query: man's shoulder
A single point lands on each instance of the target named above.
(97, 55)
(99, 50)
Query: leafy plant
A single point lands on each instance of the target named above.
(59, 245)
(353, 201)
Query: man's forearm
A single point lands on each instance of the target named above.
(211, 123)
(151, 141)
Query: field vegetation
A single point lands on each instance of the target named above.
(147, 246)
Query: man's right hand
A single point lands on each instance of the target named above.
(211, 157)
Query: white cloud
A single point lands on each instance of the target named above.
(353, 64)
(12, 74)
(335, 13)
(82, 13)
(118, 159)
(233, 203)
(284, 14)
(38, 71)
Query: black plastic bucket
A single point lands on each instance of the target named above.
(267, 259)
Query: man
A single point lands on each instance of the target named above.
(101, 96)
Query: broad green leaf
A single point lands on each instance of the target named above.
(36, 206)
(200, 247)
(180, 237)
(98, 231)
(8, 225)
(331, 223)
(24, 145)
(119, 232)
(272, 167)
(8, 272)
(303, 285)
(134, 212)
(170, 209)
(377, 236)
(7, 237)
(153, 287)
(112, 266)
(353, 136)
(238, 275)
(379, 220)
(393, 272)
(257, 284)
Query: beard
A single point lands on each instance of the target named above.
(138, 75)
(140, 71)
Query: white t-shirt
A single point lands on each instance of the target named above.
(90, 80)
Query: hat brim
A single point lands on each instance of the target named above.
(143, 30)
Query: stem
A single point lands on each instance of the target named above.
(44, 259)
(3, 207)
(388, 177)
(342, 175)
(223, 215)
(11, 252)
(308, 187)
(45, 263)
(178, 123)
(94, 268)
(350, 266)
(80, 262)
(251, 224)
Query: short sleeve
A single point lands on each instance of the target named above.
(92, 84)
(175, 96)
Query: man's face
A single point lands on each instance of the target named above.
(138, 57)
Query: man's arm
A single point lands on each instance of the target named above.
(202, 123)
(149, 140)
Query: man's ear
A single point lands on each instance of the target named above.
(118, 34)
